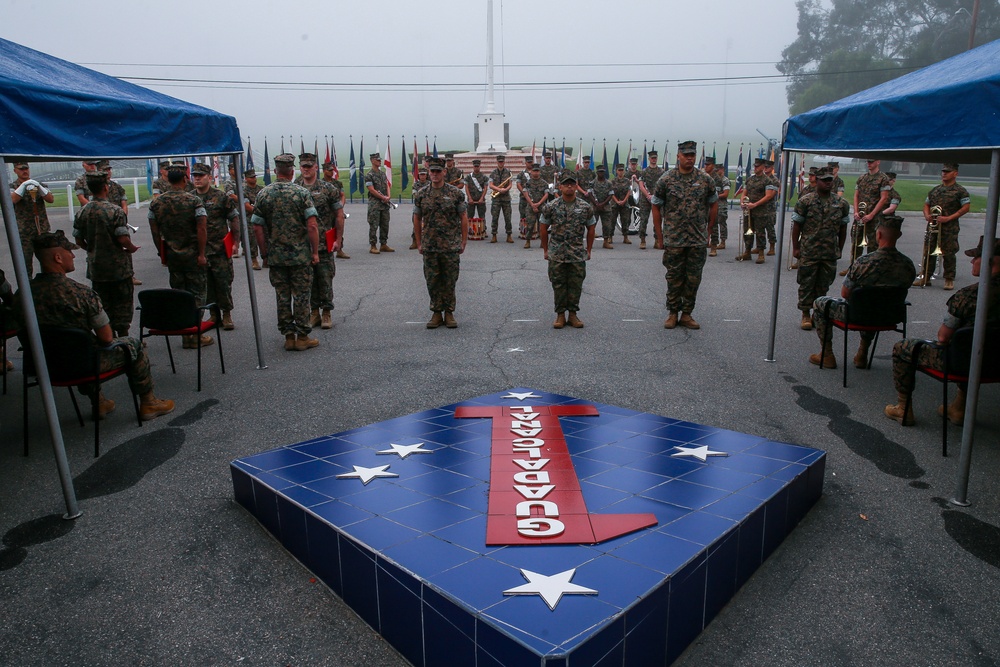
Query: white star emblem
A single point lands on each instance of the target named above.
(405, 450)
(551, 588)
(520, 397)
(700, 453)
(515, 349)
(367, 474)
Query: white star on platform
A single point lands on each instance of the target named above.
(700, 453)
(521, 397)
(405, 450)
(367, 474)
(551, 588)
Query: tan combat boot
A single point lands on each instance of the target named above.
(413, 245)
(760, 257)
(795, 264)
(493, 238)
(688, 322)
(289, 342)
(899, 411)
(920, 282)
(843, 273)
(861, 356)
(227, 320)
(574, 321)
(956, 409)
(342, 255)
(527, 244)
(642, 244)
(722, 245)
(807, 321)
(385, 248)
(510, 238)
(191, 342)
(828, 359)
(671, 321)
(314, 319)
(304, 342)
(607, 244)
(712, 252)
(626, 240)
(151, 407)
(435, 321)
(770, 251)
(105, 406)
(449, 321)
(326, 322)
(949, 284)
(560, 321)
(373, 250)
(255, 264)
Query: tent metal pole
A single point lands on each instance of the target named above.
(247, 261)
(961, 496)
(779, 252)
(31, 324)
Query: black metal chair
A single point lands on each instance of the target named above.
(173, 312)
(870, 309)
(8, 329)
(957, 359)
(73, 359)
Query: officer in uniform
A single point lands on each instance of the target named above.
(161, 184)
(335, 182)
(772, 207)
(838, 183)
(585, 176)
(475, 189)
(284, 220)
(535, 194)
(422, 182)
(329, 216)
(501, 181)
(522, 201)
(101, 228)
(116, 193)
(720, 232)
(871, 194)
(760, 190)
(647, 181)
(602, 193)
(441, 229)
(378, 206)
(621, 203)
(250, 191)
(80, 189)
(684, 208)
(221, 219)
(452, 174)
(819, 230)
(909, 353)
(811, 187)
(567, 234)
(549, 171)
(62, 302)
(29, 197)
(886, 267)
(954, 201)
(178, 222)
(894, 197)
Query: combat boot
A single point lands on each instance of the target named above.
(413, 245)
(373, 250)
(626, 240)
(807, 321)
(688, 322)
(191, 342)
(314, 319)
(712, 252)
(385, 248)
(255, 264)
(342, 255)
(671, 321)
(760, 257)
(949, 284)
(493, 238)
(843, 273)
(574, 321)
(770, 251)
(527, 244)
(510, 238)
(560, 321)
(304, 342)
(899, 411)
(722, 245)
(151, 407)
(289, 342)
(642, 244)
(956, 409)
(227, 320)
(105, 406)
(795, 264)
(607, 244)
(327, 320)
(449, 321)
(920, 281)
(828, 359)
(435, 321)
(861, 356)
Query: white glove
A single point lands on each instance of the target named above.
(44, 190)
(21, 188)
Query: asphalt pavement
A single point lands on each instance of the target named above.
(163, 568)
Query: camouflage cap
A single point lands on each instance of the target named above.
(103, 164)
(759, 161)
(284, 159)
(178, 166)
(201, 169)
(586, 158)
(549, 156)
(893, 222)
(422, 171)
(824, 174)
(978, 250)
(501, 158)
(449, 156)
(250, 173)
(652, 154)
(835, 165)
(634, 160)
(536, 167)
(375, 156)
(949, 166)
(307, 159)
(768, 163)
(709, 160)
(19, 164)
(601, 169)
(687, 147)
(96, 179)
(619, 166)
(93, 162)
(56, 239)
(327, 165)
(567, 177)
(164, 164)
(813, 171)
(435, 164)
(476, 163)
(891, 175)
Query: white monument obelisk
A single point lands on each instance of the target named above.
(490, 123)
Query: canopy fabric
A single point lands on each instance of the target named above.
(949, 111)
(54, 109)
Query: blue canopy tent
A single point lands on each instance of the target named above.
(949, 111)
(54, 109)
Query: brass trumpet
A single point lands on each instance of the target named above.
(744, 222)
(858, 228)
(933, 233)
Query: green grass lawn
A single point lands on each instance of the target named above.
(913, 194)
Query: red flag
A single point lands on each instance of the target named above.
(387, 163)
(333, 159)
(229, 242)
(331, 238)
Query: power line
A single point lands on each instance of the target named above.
(444, 66)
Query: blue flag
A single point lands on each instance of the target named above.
(404, 179)
(353, 167)
(249, 164)
(435, 154)
(361, 169)
(267, 165)
(608, 171)
(562, 163)
(739, 172)
(645, 163)
(615, 164)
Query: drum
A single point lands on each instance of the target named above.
(477, 229)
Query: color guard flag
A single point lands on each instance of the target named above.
(333, 159)
(250, 154)
(387, 163)
(353, 169)
(404, 178)
(267, 165)
(645, 161)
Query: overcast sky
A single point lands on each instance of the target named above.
(418, 68)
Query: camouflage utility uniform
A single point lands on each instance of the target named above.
(685, 202)
(378, 210)
(32, 220)
(820, 220)
(620, 213)
(97, 228)
(757, 187)
(950, 199)
(604, 207)
(720, 232)
(326, 199)
(567, 224)
(500, 203)
(176, 215)
(585, 178)
(870, 188)
(222, 218)
(441, 211)
(477, 186)
(534, 190)
(649, 176)
(520, 181)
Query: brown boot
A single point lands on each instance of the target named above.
(956, 409)
(151, 407)
(713, 252)
(795, 264)
(289, 342)
(607, 244)
(326, 322)
(510, 238)
(385, 248)
(435, 321)
(920, 282)
(861, 356)
(191, 342)
(304, 342)
(688, 322)
(574, 321)
(136, 281)
(527, 244)
(626, 240)
(314, 318)
(642, 244)
(560, 321)
(105, 406)
(255, 264)
(770, 251)
(899, 412)
(843, 273)
(828, 359)
(671, 321)
(373, 250)
(949, 284)
(413, 245)
(342, 255)
(722, 245)
(760, 257)
(807, 321)
(227, 320)
(449, 321)
(493, 238)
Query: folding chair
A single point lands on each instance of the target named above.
(870, 309)
(173, 312)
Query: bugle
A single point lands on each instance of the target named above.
(744, 222)
(858, 228)
(932, 235)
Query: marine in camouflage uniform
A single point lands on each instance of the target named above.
(839, 187)
(251, 188)
(647, 181)
(909, 353)
(80, 189)
(720, 232)
(819, 230)
(161, 184)
(222, 218)
(811, 186)
(520, 180)
(177, 220)
(954, 201)
(621, 205)
(476, 189)
(328, 177)
(585, 176)
(685, 208)
(29, 213)
(101, 228)
(501, 181)
(760, 190)
(567, 239)
(452, 175)
(535, 194)
(886, 267)
(378, 206)
(772, 207)
(895, 199)
(329, 217)
(549, 171)
(441, 229)
(603, 193)
(872, 194)
(288, 236)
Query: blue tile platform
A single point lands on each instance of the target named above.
(615, 535)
